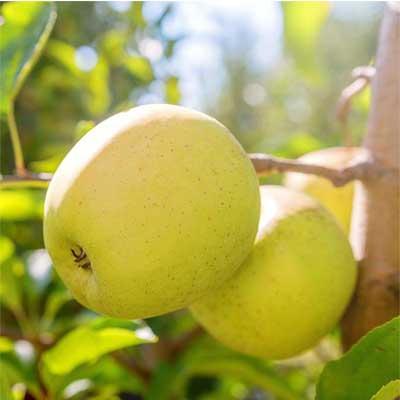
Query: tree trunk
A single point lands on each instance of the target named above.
(375, 223)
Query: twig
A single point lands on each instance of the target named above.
(16, 142)
(362, 76)
(132, 366)
(30, 179)
(361, 169)
(180, 344)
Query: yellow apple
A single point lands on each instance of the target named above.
(150, 210)
(293, 287)
(338, 200)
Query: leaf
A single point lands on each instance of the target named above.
(7, 249)
(370, 364)
(82, 128)
(162, 379)
(12, 271)
(140, 67)
(5, 386)
(303, 21)
(94, 82)
(248, 369)
(205, 358)
(13, 370)
(24, 32)
(89, 342)
(297, 145)
(172, 92)
(56, 299)
(104, 373)
(6, 345)
(391, 391)
(21, 205)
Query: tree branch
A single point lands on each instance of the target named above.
(16, 142)
(362, 76)
(30, 179)
(179, 345)
(132, 366)
(375, 222)
(362, 168)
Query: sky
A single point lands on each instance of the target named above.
(210, 28)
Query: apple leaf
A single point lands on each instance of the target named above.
(21, 204)
(370, 364)
(88, 343)
(208, 358)
(94, 81)
(172, 92)
(391, 391)
(25, 29)
(301, 38)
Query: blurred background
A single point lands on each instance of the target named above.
(271, 72)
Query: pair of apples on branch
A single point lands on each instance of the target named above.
(159, 208)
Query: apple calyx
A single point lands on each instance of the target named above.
(81, 258)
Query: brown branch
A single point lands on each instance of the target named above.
(363, 168)
(28, 180)
(362, 76)
(132, 366)
(375, 224)
(179, 345)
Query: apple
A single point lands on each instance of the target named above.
(293, 287)
(339, 200)
(150, 210)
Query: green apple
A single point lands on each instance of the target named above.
(339, 200)
(293, 287)
(150, 210)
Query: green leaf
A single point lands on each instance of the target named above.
(11, 273)
(172, 92)
(6, 345)
(21, 205)
(391, 391)
(13, 370)
(7, 249)
(89, 342)
(140, 67)
(303, 21)
(55, 300)
(24, 32)
(5, 386)
(82, 128)
(93, 82)
(207, 358)
(370, 364)
(298, 144)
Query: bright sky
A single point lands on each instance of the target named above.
(252, 30)
(212, 26)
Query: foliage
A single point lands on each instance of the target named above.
(96, 61)
(355, 375)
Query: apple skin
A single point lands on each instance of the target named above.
(293, 287)
(338, 200)
(159, 205)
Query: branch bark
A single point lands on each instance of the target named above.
(41, 180)
(362, 77)
(363, 168)
(375, 224)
